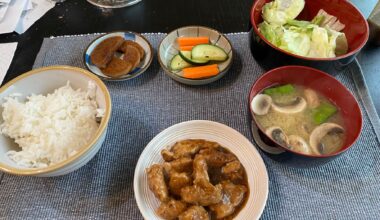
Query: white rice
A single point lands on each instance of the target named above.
(50, 128)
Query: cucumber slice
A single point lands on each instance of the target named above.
(208, 52)
(186, 55)
(177, 63)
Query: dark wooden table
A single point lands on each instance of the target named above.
(80, 17)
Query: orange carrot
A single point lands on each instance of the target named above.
(200, 71)
(192, 41)
(186, 48)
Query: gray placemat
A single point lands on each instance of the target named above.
(346, 188)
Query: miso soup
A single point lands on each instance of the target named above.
(300, 119)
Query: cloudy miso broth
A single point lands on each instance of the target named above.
(300, 118)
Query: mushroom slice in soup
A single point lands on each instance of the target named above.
(295, 106)
(298, 144)
(261, 104)
(278, 135)
(319, 133)
(311, 98)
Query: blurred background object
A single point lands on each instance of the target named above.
(374, 25)
(365, 6)
(113, 3)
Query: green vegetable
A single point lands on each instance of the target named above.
(317, 20)
(281, 11)
(208, 52)
(319, 44)
(319, 38)
(297, 23)
(338, 42)
(177, 63)
(271, 32)
(280, 90)
(327, 43)
(323, 112)
(186, 56)
(296, 40)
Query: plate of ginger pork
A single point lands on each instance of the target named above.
(200, 170)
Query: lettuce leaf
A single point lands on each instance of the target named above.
(320, 46)
(281, 11)
(296, 40)
(318, 38)
(271, 32)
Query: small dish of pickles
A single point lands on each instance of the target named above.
(195, 55)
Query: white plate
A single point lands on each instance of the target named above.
(212, 131)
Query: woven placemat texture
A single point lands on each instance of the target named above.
(346, 188)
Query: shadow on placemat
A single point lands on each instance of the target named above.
(1, 177)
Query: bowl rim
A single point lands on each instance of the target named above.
(141, 71)
(112, 7)
(319, 72)
(84, 149)
(255, 29)
(194, 81)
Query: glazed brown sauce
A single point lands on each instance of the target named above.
(216, 177)
(216, 158)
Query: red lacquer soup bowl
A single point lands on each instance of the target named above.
(356, 30)
(326, 85)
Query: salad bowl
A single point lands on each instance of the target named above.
(356, 31)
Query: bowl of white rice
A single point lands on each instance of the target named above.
(53, 120)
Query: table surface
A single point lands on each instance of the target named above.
(79, 17)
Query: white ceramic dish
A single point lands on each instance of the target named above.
(113, 4)
(212, 131)
(127, 35)
(43, 81)
(169, 48)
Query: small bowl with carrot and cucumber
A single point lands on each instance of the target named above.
(195, 55)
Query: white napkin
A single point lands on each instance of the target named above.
(40, 7)
(19, 15)
(12, 16)
(3, 10)
(6, 56)
(28, 5)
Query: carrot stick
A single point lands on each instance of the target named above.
(200, 71)
(192, 41)
(186, 48)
